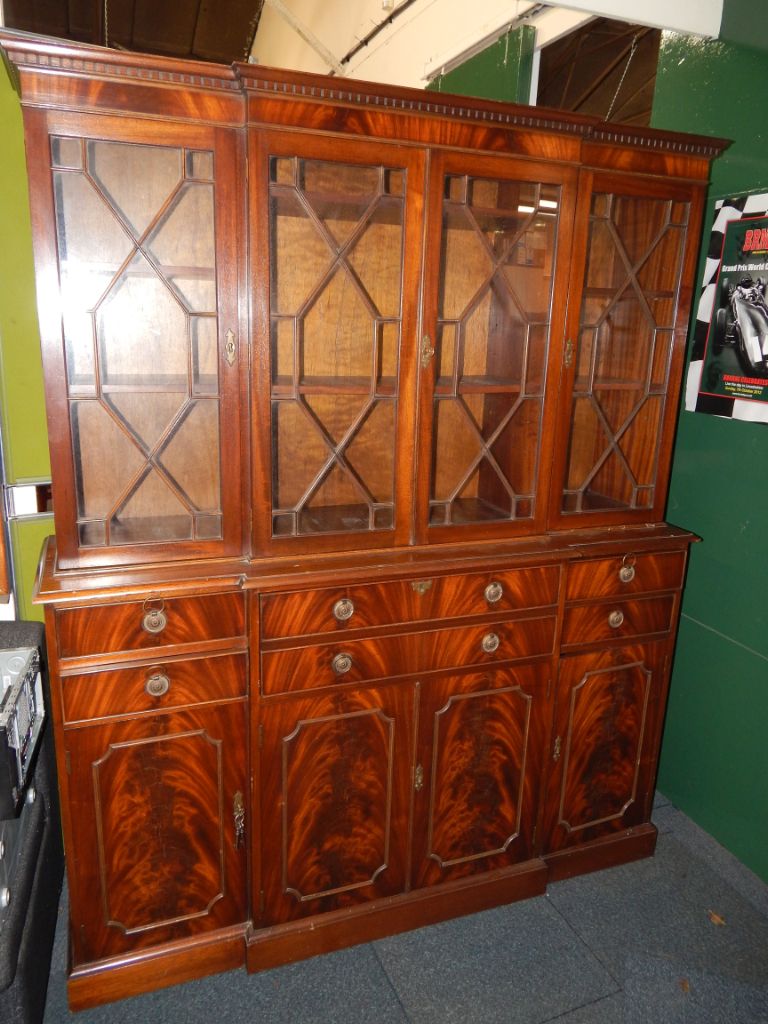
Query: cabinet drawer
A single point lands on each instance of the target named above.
(133, 690)
(607, 621)
(379, 604)
(108, 629)
(601, 577)
(302, 668)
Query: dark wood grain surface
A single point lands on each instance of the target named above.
(104, 629)
(152, 814)
(482, 746)
(589, 623)
(600, 577)
(124, 691)
(336, 777)
(435, 597)
(302, 668)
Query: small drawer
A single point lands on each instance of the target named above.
(380, 604)
(111, 628)
(630, 574)
(592, 623)
(154, 687)
(303, 668)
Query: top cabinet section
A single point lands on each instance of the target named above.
(284, 314)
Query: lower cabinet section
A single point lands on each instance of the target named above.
(608, 716)
(152, 805)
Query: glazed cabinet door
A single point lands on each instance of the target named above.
(495, 283)
(152, 806)
(138, 239)
(610, 708)
(635, 247)
(482, 743)
(335, 796)
(335, 335)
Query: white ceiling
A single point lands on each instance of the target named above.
(435, 34)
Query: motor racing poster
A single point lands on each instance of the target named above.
(728, 373)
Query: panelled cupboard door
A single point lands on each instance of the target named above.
(495, 282)
(635, 250)
(335, 313)
(610, 706)
(482, 741)
(152, 805)
(335, 797)
(137, 234)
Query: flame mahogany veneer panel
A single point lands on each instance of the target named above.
(482, 743)
(122, 691)
(600, 578)
(589, 623)
(302, 668)
(378, 604)
(335, 796)
(109, 628)
(153, 828)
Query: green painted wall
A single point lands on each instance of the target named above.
(714, 762)
(500, 72)
(22, 403)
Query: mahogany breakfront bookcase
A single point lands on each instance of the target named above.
(361, 403)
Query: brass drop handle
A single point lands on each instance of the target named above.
(558, 746)
(158, 683)
(421, 586)
(615, 619)
(490, 643)
(427, 351)
(493, 592)
(627, 570)
(238, 811)
(419, 780)
(154, 620)
(229, 348)
(342, 663)
(343, 609)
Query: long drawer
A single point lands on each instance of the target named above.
(604, 577)
(610, 620)
(156, 687)
(111, 628)
(378, 604)
(302, 668)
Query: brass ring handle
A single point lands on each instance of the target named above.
(627, 570)
(493, 592)
(343, 609)
(154, 620)
(490, 643)
(615, 619)
(342, 663)
(158, 683)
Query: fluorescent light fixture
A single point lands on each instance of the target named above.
(525, 209)
(550, 204)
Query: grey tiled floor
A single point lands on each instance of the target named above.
(631, 945)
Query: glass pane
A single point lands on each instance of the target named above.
(146, 451)
(495, 295)
(631, 289)
(336, 234)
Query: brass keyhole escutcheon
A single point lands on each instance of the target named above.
(419, 780)
(558, 745)
(238, 812)
(421, 586)
(627, 570)
(427, 351)
(342, 663)
(158, 683)
(154, 620)
(490, 643)
(229, 348)
(343, 609)
(568, 354)
(615, 619)
(493, 592)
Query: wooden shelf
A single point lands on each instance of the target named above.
(477, 385)
(282, 387)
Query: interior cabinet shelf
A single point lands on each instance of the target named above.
(383, 386)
